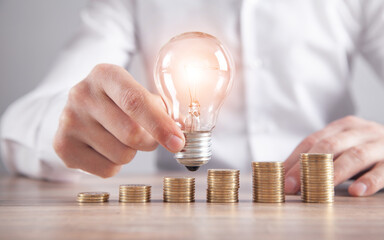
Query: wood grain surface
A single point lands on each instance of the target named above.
(31, 209)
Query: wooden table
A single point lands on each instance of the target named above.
(31, 209)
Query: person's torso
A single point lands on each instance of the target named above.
(292, 59)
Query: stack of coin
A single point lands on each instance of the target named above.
(268, 182)
(134, 193)
(317, 176)
(223, 185)
(179, 190)
(92, 197)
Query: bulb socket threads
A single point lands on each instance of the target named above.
(197, 150)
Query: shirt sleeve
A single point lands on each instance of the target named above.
(371, 37)
(107, 35)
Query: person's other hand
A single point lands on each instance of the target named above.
(107, 118)
(357, 145)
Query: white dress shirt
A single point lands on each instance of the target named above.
(293, 57)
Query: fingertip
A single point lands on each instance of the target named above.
(291, 185)
(358, 189)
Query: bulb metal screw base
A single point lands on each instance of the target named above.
(197, 150)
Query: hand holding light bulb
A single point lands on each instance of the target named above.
(109, 115)
(194, 73)
(107, 118)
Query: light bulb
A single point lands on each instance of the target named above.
(194, 73)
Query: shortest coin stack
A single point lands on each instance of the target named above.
(268, 182)
(223, 185)
(134, 193)
(317, 177)
(92, 197)
(179, 190)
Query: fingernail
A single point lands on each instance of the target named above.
(360, 189)
(174, 143)
(290, 185)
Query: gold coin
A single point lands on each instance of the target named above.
(316, 173)
(272, 197)
(209, 196)
(178, 179)
(178, 188)
(222, 198)
(316, 155)
(322, 193)
(269, 181)
(267, 190)
(325, 181)
(222, 195)
(269, 200)
(217, 181)
(178, 195)
(179, 185)
(267, 169)
(230, 177)
(215, 171)
(91, 200)
(135, 189)
(222, 191)
(135, 192)
(134, 201)
(179, 192)
(134, 196)
(223, 201)
(134, 186)
(329, 196)
(224, 185)
(224, 175)
(179, 201)
(92, 197)
(318, 186)
(226, 189)
(93, 194)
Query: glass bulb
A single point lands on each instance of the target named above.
(194, 73)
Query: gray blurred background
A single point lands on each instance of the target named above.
(33, 32)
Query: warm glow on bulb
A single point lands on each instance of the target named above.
(193, 74)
